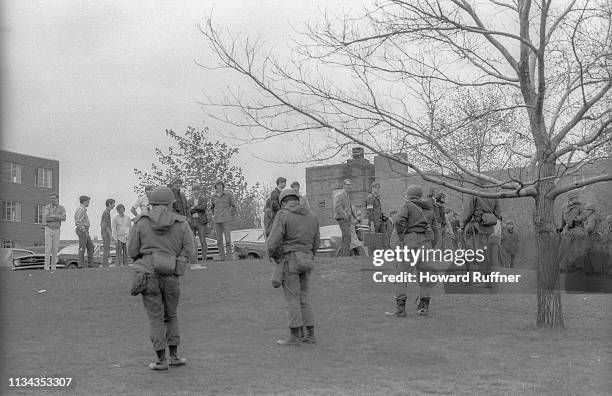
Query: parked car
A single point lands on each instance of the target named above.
(213, 250)
(252, 244)
(8, 256)
(68, 257)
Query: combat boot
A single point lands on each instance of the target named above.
(309, 337)
(400, 310)
(294, 337)
(423, 307)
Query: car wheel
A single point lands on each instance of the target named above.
(252, 256)
(71, 266)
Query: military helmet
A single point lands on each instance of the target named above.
(161, 195)
(288, 192)
(413, 192)
(590, 206)
(573, 195)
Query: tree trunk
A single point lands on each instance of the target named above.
(550, 314)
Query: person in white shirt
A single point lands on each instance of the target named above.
(142, 202)
(121, 226)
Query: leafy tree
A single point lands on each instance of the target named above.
(196, 159)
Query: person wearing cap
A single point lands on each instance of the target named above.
(142, 203)
(292, 245)
(480, 216)
(374, 209)
(573, 217)
(180, 205)
(81, 221)
(161, 244)
(198, 205)
(343, 213)
(223, 207)
(413, 224)
(431, 198)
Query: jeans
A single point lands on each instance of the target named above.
(202, 231)
(296, 289)
(122, 256)
(345, 245)
(413, 241)
(85, 243)
(52, 239)
(160, 299)
(106, 245)
(223, 229)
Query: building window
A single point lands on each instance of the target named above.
(39, 244)
(43, 177)
(11, 172)
(11, 211)
(8, 244)
(38, 214)
(321, 204)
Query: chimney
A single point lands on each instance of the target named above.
(358, 153)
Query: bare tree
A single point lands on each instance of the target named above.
(378, 79)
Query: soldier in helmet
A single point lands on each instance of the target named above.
(572, 229)
(292, 244)
(413, 224)
(373, 209)
(161, 244)
(480, 216)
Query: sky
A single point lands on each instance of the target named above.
(94, 85)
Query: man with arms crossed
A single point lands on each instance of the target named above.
(53, 215)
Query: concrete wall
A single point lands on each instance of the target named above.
(26, 232)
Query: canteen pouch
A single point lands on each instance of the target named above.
(488, 219)
(139, 283)
(164, 263)
(300, 262)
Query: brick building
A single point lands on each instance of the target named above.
(323, 182)
(25, 186)
(395, 178)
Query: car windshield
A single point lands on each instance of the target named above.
(71, 249)
(254, 236)
(327, 232)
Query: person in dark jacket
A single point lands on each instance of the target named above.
(414, 231)
(374, 210)
(198, 204)
(292, 244)
(180, 205)
(274, 203)
(161, 239)
(481, 215)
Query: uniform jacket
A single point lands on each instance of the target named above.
(295, 229)
(573, 216)
(414, 216)
(342, 206)
(200, 209)
(161, 230)
(268, 217)
(509, 240)
(591, 224)
(374, 209)
(474, 209)
(223, 207)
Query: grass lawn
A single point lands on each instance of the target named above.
(87, 326)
